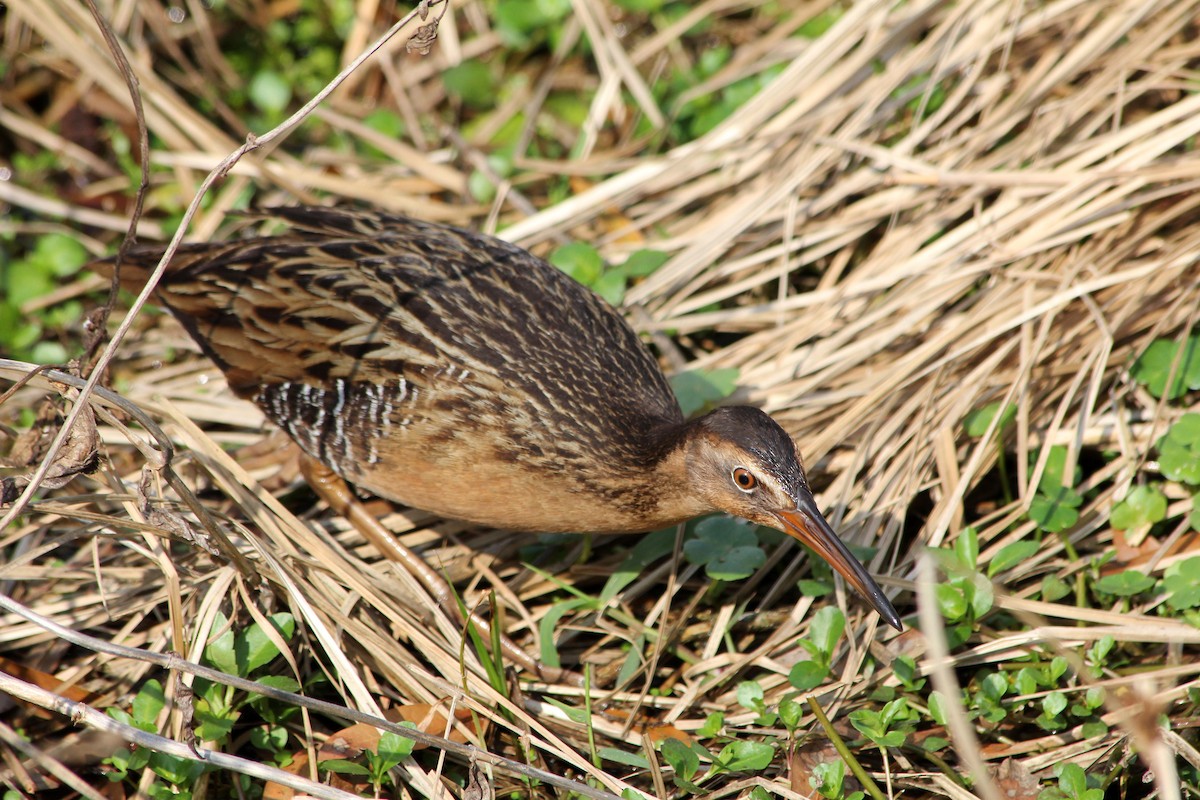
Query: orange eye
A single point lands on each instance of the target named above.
(744, 479)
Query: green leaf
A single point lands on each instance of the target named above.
(742, 755)
(1057, 512)
(1144, 505)
(826, 629)
(994, 686)
(271, 738)
(176, 770)
(1054, 588)
(386, 122)
(1053, 475)
(649, 548)
(147, 704)
(966, 547)
(579, 260)
(750, 695)
(712, 725)
(644, 262)
(1054, 704)
(726, 547)
(617, 756)
(1071, 779)
(520, 22)
(1181, 581)
(25, 281)
(283, 682)
(1125, 584)
(822, 22)
(1179, 450)
(394, 748)
(683, 760)
(343, 767)
(219, 651)
(790, 713)
(698, 389)
(1011, 555)
(59, 254)
(951, 601)
(472, 83)
(807, 675)
(937, 707)
(977, 422)
(828, 778)
(611, 286)
(548, 624)
(255, 649)
(1099, 651)
(812, 588)
(640, 6)
(1153, 367)
(270, 91)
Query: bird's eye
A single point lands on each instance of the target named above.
(744, 479)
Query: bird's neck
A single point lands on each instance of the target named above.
(671, 474)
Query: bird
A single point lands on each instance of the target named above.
(457, 373)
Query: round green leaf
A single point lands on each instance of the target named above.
(579, 260)
(807, 675)
(1144, 505)
(472, 83)
(270, 91)
(1125, 584)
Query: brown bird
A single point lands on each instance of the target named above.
(457, 373)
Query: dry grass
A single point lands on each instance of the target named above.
(934, 207)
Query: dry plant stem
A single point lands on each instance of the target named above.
(839, 744)
(334, 491)
(171, 661)
(252, 143)
(139, 200)
(967, 743)
(157, 460)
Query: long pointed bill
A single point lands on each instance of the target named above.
(806, 524)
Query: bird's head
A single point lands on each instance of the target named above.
(741, 462)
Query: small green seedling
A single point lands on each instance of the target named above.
(583, 263)
(966, 595)
(976, 425)
(1055, 507)
(218, 707)
(33, 336)
(1073, 784)
(743, 756)
(824, 632)
(888, 727)
(988, 701)
(750, 696)
(391, 751)
(829, 780)
(684, 761)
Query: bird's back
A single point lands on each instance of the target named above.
(404, 353)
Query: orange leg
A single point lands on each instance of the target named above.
(334, 491)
